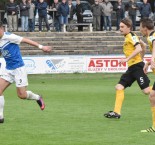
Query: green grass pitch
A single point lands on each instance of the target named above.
(75, 104)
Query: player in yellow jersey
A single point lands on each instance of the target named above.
(134, 50)
(147, 29)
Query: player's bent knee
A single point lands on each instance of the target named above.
(22, 95)
(119, 87)
(146, 91)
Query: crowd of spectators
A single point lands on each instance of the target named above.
(63, 12)
(121, 9)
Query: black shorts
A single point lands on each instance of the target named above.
(135, 72)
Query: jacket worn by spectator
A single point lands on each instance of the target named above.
(145, 10)
(31, 11)
(63, 9)
(11, 7)
(131, 10)
(55, 5)
(35, 3)
(24, 9)
(79, 10)
(97, 10)
(71, 11)
(120, 9)
(107, 8)
(42, 9)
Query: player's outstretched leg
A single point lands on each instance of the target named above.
(23, 94)
(39, 99)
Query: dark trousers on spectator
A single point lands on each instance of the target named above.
(102, 23)
(46, 22)
(118, 19)
(57, 24)
(133, 18)
(31, 25)
(80, 20)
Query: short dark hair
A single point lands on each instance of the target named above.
(1, 24)
(127, 22)
(148, 23)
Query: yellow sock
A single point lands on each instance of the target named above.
(119, 101)
(153, 116)
(151, 88)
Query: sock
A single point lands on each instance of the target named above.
(32, 96)
(1, 106)
(153, 116)
(151, 88)
(119, 101)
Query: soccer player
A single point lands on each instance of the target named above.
(15, 68)
(147, 29)
(134, 50)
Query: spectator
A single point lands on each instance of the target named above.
(55, 6)
(107, 10)
(119, 7)
(63, 10)
(24, 13)
(97, 10)
(71, 13)
(102, 18)
(12, 12)
(132, 8)
(145, 9)
(31, 16)
(35, 2)
(42, 12)
(79, 14)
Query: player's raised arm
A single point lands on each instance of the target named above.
(33, 43)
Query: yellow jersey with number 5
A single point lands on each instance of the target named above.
(131, 40)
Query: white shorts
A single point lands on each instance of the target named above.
(18, 75)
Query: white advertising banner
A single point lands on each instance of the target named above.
(73, 64)
(55, 64)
